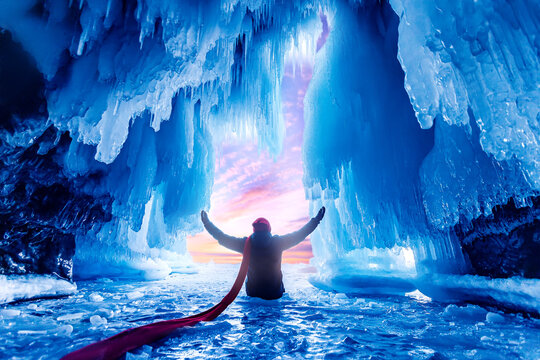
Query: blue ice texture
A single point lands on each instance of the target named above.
(306, 323)
(418, 116)
(146, 92)
(401, 176)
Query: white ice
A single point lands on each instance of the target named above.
(23, 287)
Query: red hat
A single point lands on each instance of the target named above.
(261, 224)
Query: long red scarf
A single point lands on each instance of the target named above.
(119, 344)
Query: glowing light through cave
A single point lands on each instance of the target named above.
(249, 184)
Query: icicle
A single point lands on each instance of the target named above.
(108, 9)
(116, 105)
(82, 42)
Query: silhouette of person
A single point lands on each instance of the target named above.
(264, 278)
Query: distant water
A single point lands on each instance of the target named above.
(305, 323)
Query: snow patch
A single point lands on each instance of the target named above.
(24, 287)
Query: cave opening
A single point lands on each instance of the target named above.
(138, 123)
(414, 123)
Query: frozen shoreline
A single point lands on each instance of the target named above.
(306, 323)
(514, 294)
(26, 287)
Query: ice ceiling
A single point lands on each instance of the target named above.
(422, 128)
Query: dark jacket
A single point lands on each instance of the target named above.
(264, 277)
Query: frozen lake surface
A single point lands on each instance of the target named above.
(305, 323)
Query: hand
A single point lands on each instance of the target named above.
(204, 217)
(320, 214)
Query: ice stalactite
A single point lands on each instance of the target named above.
(364, 148)
(474, 67)
(141, 89)
(469, 74)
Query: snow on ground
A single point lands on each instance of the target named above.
(306, 323)
(22, 287)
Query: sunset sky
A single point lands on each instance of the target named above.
(251, 184)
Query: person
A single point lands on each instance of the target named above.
(264, 278)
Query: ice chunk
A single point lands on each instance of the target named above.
(107, 313)
(71, 317)
(492, 317)
(131, 356)
(16, 287)
(144, 352)
(514, 294)
(471, 312)
(146, 349)
(32, 332)
(64, 330)
(97, 320)
(9, 313)
(95, 297)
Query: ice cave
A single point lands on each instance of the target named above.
(415, 124)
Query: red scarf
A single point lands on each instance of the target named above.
(119, 344)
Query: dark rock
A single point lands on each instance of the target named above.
(41, 208)
(505, 243)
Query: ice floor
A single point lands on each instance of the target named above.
(306, 323)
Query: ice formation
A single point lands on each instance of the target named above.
(422, 129)
(25, 287)
(464, 192)
(138, 92)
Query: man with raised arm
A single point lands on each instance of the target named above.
(264, 279)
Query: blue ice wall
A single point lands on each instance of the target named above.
(476, 64)
(467, 72)
(363, 147)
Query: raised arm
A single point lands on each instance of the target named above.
(230, 242)
(292, 239)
